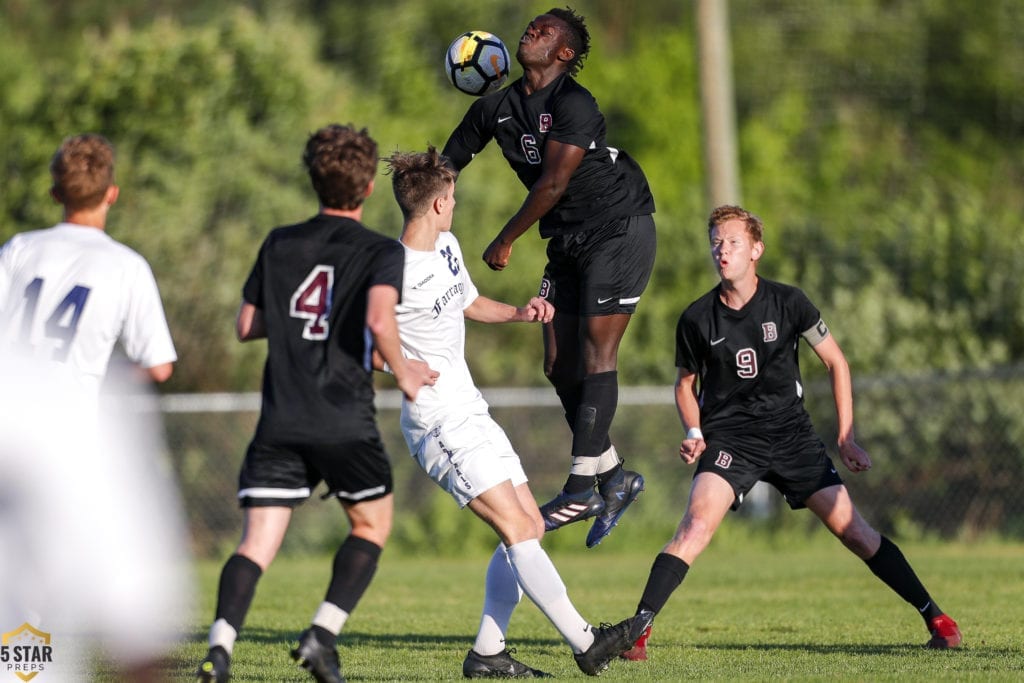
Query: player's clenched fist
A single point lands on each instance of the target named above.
(691, 449)
(539, 310)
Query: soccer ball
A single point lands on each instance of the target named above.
(477, 62)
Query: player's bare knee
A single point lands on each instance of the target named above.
(375, 535)
(860, 539)
(260, 555)
(519, 528)
(373, 530)
(604, 362)
(693, 532)
(538, 523)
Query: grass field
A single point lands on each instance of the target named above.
(753, 610)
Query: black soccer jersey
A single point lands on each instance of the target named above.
(746, 360)
(607, 185)
(310, 282)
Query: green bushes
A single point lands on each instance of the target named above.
(891, 189)
(882, 142)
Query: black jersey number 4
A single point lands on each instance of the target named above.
(312, 302)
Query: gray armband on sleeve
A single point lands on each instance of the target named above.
(816, 334)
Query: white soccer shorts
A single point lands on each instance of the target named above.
(469, 455)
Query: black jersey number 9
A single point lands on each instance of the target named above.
(746, 363)
(312, 302)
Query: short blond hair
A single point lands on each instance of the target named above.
(418, 177)
(728, 212)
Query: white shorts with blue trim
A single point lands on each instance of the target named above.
(468, 455)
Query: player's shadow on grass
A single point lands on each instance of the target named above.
(385, 641)
(814, 648)
(428, 641)
(454, 645)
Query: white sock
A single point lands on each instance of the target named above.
(501, 595)
(330, 617)
(223, 634)
(608, 460)
(585, 465)
(541, 582)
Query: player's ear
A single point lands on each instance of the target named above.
(113, 192)
(757, 250)
(369, 190)
(566, 54)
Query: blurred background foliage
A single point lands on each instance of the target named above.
(882, 141)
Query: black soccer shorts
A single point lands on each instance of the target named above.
(286, 474)
(794, 461)
(601, 271)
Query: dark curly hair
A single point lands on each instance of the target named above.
(577, 37)
(341, 162)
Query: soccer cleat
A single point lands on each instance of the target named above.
(216, 668)
(617, 493)
(611, 641)
(638, 653)
(945, 633)
(566, 508)
(317, 659)
(501, 665)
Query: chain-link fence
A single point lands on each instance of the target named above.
(947, 452)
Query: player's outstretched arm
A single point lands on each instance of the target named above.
(484, 310)
(560, 161)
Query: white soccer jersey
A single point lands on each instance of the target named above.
(436, 290)
(92, 527)
(69, 293)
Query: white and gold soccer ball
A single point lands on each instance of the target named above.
(477, 62)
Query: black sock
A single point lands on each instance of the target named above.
(569, 395)
(603, 477)
(325, 637)
(667, 572)
(892, 567)
(354, 566)
(599, 397)
(578, 482)
(237, 587)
